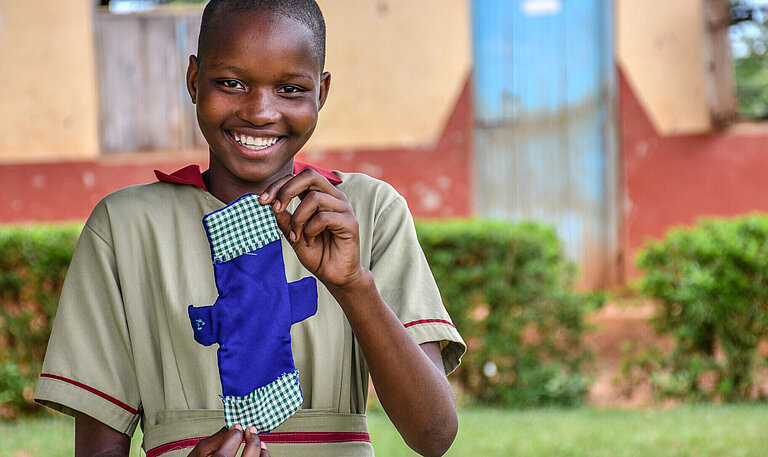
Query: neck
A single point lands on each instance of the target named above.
(227, 187)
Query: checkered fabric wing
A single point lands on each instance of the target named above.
(242, 226)
(266, 407)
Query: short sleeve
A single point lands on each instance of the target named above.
(406, 283)
(88, 365)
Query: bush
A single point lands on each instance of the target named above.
(33, 263)
(508, 290)
(710, 285)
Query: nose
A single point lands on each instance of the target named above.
(260, 107)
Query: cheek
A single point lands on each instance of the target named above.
(304, 118)
(209, 109)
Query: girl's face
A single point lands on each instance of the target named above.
(258, 90)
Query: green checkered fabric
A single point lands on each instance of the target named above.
(266, 407)
(242, 226)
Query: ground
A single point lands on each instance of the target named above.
(615, 325)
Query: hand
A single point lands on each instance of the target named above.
(323, 229)
(225, 443)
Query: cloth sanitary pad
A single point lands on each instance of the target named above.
(252, 317)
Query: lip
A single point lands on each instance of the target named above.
(258, 153)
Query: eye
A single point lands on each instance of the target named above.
(290, 89)
(231, 84)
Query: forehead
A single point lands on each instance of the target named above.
(257, 36)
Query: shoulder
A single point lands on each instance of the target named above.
(142, 195)
(156, 201)
(369, 195)
(382, 213)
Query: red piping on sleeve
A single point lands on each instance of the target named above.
(93, 391)
(283, 438)
(429, 321)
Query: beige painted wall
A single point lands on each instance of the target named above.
(397, 66)
(675, 55)
(660, 49)
(47, 85)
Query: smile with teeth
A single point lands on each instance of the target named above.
(254, 143)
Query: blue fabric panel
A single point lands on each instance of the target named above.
(253, 315)
(203, 324)
(303, 299)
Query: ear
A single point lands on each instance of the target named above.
(192, 78)
(325, 86)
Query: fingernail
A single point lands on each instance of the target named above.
(276, 205)
(252, 429)
(264, 445)
(293, 235)
(239, 427)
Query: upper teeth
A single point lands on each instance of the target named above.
(254, 142)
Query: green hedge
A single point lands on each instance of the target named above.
(33, 262)
(508, 288)
(710, 286)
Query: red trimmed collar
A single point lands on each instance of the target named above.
(191, 175)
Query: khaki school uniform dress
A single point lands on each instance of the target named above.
(122, 348)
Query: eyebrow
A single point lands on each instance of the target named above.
(297, 75)
(221, 66)
(235, 69)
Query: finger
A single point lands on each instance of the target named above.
(209, 445)
(264, 450)
(298, 186)
(284, 223)
(269, 193)
(231, 442)
(253, 444)
(340, 224)
(315, 202)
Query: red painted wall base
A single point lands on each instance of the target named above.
(674, 180)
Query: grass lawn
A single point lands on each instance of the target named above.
(698, 430)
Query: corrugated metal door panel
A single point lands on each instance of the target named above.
(543, 91)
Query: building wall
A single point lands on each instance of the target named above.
(676, 57)
(397, 70)
(48, 84)
(435, 179)
(674, 180)
(51, 169)
(398, 109)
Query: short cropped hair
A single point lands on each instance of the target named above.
(305, 11)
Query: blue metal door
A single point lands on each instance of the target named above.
(545, 148)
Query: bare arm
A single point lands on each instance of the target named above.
(95, 439)
(409, 380)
